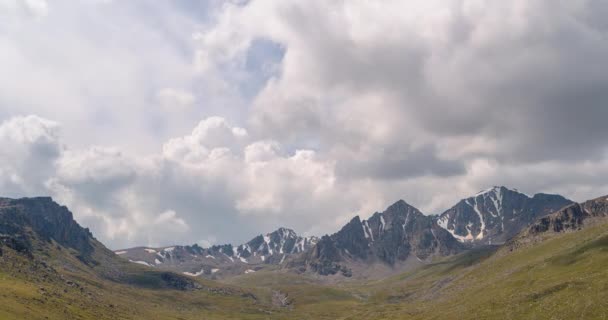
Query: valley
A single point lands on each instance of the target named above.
(57, 270)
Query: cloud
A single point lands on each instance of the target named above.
(227, 119)
(175, 98)
(28, 8)
(230, 192)
(510, 72)
(29, 147)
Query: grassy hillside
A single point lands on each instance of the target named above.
(562, 277)
(53, 284)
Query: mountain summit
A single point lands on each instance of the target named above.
(391, 237)
(495, 215)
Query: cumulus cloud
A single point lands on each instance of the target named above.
(29, 147)
(214, 182)
(325, 109)
(511, 72)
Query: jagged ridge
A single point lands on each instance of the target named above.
(389, 237)
(273, 248)
(497, 214)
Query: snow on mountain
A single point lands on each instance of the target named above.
(491, 216)
(389, 237)
(496, 214)
(269, 249)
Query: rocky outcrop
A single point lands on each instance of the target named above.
(571, 218)
(47, 219)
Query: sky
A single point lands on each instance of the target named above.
(178, 122)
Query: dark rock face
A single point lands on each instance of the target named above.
(325, 257)
(388, 237)
(402, 230)
(226, 249)
(178, 282)
(47, 219)
(572, 217)
(497, 214)
(351, 238)
(275, 246)
(16, 242)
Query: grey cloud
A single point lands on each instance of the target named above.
(398, 162)
(363, 104)
(527, 76)
(29, 147)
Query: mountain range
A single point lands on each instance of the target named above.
(223, 260)
(394, 240)
(497, 254)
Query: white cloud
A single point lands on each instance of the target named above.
(29, 147)
(175, 99)
(365, 103)
(211, 138)
(237, 190)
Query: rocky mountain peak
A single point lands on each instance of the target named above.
(399, 206)
(284, 233)
(389, 237)
(272, 248)
(496, 191)
(496, 214)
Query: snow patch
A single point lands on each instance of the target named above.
(157, 261)
(120, 252)
(483, 224)
(150, 250)
(488, 190)
(497, 201)
(364, 230)
(497, 189)
(142, 263)
(209, 256)
(267, 241)
(368, 230)
(443, 223)
(196, 274)
(249, 271)
(214, 270)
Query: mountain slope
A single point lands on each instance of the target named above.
(497, 214)
(51, 268)
(561, 276)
